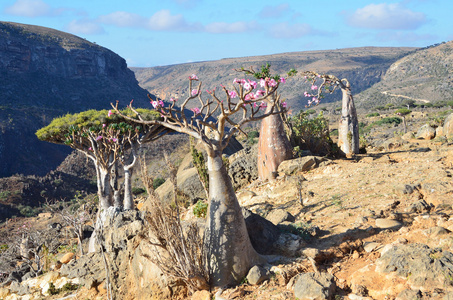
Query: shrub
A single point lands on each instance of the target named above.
(375, 114)
(310, 133)
(157, 182)
(200, 209)
(251, 137)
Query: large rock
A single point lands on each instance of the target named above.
(309, 286)
(448, 126)
(263, 234)
(299, 164)
(243, 168)
(426, 132)
(425, 268)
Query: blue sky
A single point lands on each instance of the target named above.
(150, 33)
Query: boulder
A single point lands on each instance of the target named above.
(425, 268)
(448, 126)
(426, 132)
(243, 168)
(257, 275)
(388, 223)
(67, 258)
(314, 286)
(263, 234)
(278, 216)
(299, 164)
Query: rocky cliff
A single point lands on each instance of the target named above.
(46, 73)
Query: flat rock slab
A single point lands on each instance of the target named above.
(388, 223)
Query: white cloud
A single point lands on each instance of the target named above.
(405, 37)
(386, 16)
(274, 11)
(29, 8)
(84, 27)
(123, 19)
(293, 31)
(162, 20)
(236, 27)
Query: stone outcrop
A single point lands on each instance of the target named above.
(47, 73)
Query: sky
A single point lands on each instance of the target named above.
(151, 33)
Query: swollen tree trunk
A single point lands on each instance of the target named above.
(128, 202)
(104, 190)
(348, 128)
(273, 147)
(230, 254)
(128, 199)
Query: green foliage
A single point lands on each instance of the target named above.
(403, 111)
(265, 72)
(384, 121)
(301, 229)
(4, 195)
(375, 114)
(52, 289)
(3, 247)
(28, 211)
(200, 209)
(60, 129)
(251, 137)
(310, 133)
(65, 288)
(139, 190)
(157, 182)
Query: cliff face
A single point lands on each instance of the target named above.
(45, 73)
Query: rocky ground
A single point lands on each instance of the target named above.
(376, 226)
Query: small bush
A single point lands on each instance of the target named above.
(200, 209)
(375, 114)
(138, 190)
(310, 133)
(389, 120)
(157, 182)
(251, 137)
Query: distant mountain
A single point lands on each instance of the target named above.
(425, 75)
(45, 73)
(363, 67)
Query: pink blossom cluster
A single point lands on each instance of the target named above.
(110, 113)
(193, 77)
(157, 103)
(195, 110)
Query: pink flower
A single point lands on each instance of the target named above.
(232, 94)
(272, 82)
(314, 87)
(194, 92)
(103, 125)
(90, 149)
(255, 105)
(161, 103)
(282, 80)
(262, 82)
(193, 77)
(99, 138)
(306, 94)
(283, 104)
(195, 110)
(247, 86)
(173, 100)
(249, 97)
(110, 113)
(114, 140)
(154, 103)
(252, 83)
(259, 93)
(263, 105)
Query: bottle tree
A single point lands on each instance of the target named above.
(219, 115)
(106, 138)
(348, 128)
(273, 144)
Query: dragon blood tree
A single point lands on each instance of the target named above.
(106, 138)
(348, 128)
(229, 252)
(273, 144)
